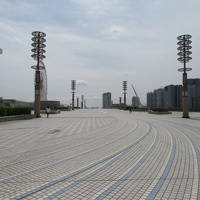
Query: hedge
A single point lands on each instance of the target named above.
(159, 109)
(12, 111)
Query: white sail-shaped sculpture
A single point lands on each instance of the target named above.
(43, 82)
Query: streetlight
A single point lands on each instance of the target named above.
(82, 101)
(77, 100)
(124, 87)
(120, 102)
(184, 46)
(73, 87)
(38, 55)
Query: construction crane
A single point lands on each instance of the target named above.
(140, 105)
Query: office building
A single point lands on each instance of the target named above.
(159, 96)
(170, 97)
(194, 94)
(135, 101)
(107, 101)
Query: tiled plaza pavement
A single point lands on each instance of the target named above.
(101, 154)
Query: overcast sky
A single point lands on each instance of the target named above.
(98, 42)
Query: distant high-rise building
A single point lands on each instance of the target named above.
(107, 101)
(170, 97)
(178, 97)
(194, 94)
(150, 100)
(159, 95)
(135, 101)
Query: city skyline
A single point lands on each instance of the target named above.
(99, 44)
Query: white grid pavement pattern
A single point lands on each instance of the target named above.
(101, 154)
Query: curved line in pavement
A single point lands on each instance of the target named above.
(66, 159)
(118, 154)
(197, 151)
(21, 153)
(130, 173)
(198, 161)
(58, 151)
(162, 179)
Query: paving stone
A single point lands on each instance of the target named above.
(101, 154)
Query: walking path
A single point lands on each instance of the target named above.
(101, 154)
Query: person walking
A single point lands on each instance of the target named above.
(48, 110)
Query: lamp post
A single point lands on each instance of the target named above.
(124, 87)
(73, 87)
(120, 102)
(38, 55)
(184, 46)
(77, 99)
(82, 101)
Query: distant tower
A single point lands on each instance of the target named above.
(73, 88)
(124, 87)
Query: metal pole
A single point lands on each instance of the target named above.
(77, 102)
(184, 57)
(38, 51)
(124, 86)
(73, 87)
(82, 101)
(124, 98)
(72, 100)
(185, 94)
(120, 102)
(37, 93)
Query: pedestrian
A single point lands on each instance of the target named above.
(48, 110)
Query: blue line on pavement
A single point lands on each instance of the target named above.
(49, 154)
(198, 162)
(162, 179)
(81, 170)
(61, 161)
(130, 173)
(93, 173)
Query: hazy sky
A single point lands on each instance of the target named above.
(98, 42)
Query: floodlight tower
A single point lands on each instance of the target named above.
(124, 87)
(38, 55)
(184, 46)
(73, 88)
